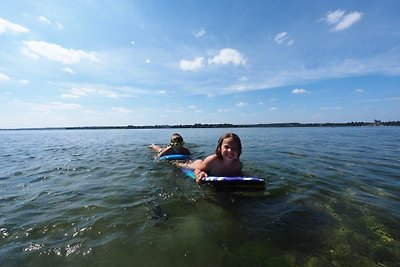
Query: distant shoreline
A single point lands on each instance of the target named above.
(221, 125)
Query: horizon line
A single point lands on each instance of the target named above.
(216, 125)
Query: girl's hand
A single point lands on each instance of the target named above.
(199, 175)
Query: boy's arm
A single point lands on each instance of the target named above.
(155, 147)
(164, 151)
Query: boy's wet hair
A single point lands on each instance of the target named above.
(176, 138)
(228, 135)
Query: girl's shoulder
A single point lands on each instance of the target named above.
(211, 157)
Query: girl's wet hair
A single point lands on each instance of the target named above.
(228, 135)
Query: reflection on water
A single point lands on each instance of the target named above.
(99, 198)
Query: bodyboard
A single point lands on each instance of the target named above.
(237, 182)
(175, 157)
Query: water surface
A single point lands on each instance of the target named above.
(99, 198)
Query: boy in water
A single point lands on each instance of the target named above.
(175, 147)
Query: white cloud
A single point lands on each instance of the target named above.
(69, 70)
(239, 88)
(173, 110)
(359, 91)
(341, 20)
(331, 108)
(227, 56)
(241, 104)
(79, 92)
(280, 37)
(200, 33)
(46, 107)
(44, 20)
(83, 91)
(69, 96)
(334, 17)
(348, 21)
(24, 82)
(106, 91)
(194, 65)
(298, 91)
(121, 110)
(210, 94)
(224, 110)
(273, 108)
(4, 77)
(55, 52)
(7, 26)
(283, 38)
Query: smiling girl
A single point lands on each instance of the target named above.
(225, 161)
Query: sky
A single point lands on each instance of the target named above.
(154, 62)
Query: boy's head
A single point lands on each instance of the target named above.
(176, 140)
(235, 138)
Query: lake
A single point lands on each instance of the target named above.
(99, 198)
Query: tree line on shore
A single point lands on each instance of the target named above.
(226, 125)
(259, 125)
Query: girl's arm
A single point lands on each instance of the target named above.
(199, 175)
(200, 170)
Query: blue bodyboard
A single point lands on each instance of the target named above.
(238, 182)
(175, 157)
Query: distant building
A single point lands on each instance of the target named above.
(377, 123)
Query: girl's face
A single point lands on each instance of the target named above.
(229, 149)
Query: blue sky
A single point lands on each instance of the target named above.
(147, 62)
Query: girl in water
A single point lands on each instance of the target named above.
(225, 161)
